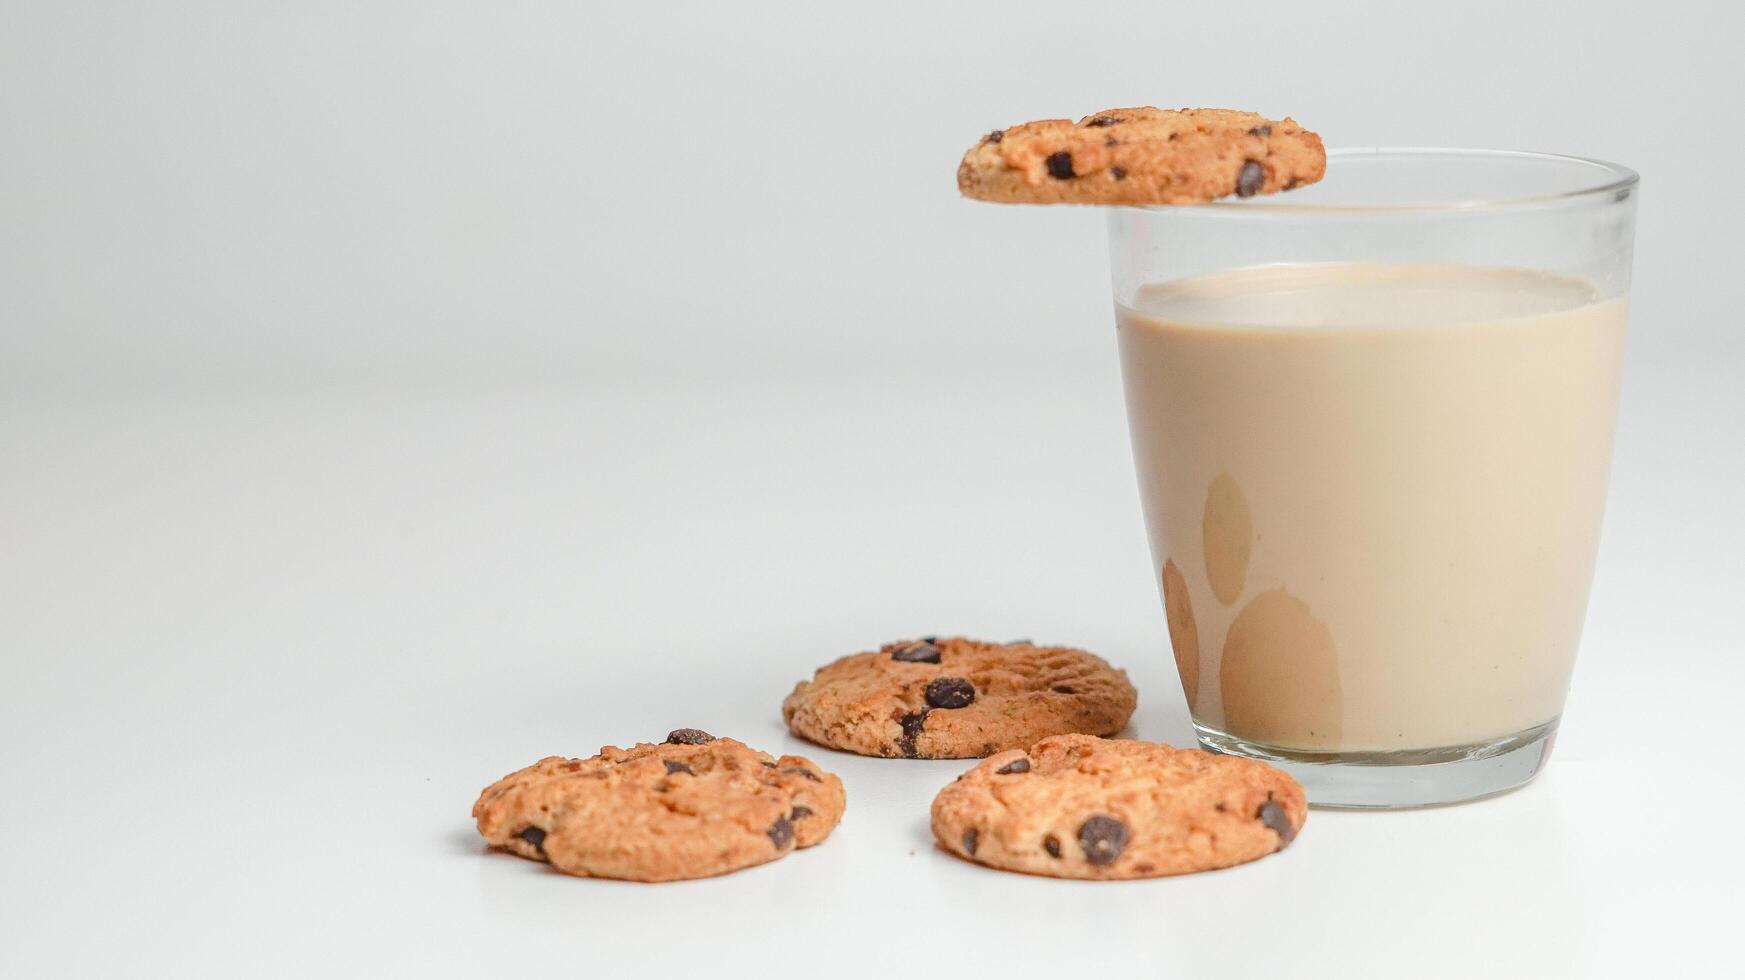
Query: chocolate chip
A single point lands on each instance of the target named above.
(781, 833)
(1103, 121)
(1273, 816)
(970, 839)
(803, 773)
(923, 652)
(1119, 173)
(1015, 766)
(769, 765)
(800, 813)
(1291, 185)
(1051, 844)
(1060, 165)
(1103, 839)
(950, 692)
(673, 765)
(912, 723)
(1111, 141)
(1249, 179)
(1261, 131)
(688, 736)
(930, 639)
(1221, 806)
(536, 837)
(996, 136)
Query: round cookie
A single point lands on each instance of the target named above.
(691, 807)
(955, 698)
(1142, 156)
(1081, 807)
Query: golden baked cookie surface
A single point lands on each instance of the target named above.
(1074, 806)
(1142, 156)
(957, 698)
(691, 807)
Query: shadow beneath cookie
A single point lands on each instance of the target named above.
(465, 842)
(921, 834)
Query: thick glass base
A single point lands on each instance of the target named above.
(1415, 777)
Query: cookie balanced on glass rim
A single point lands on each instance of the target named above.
(1142, 156)
(957, 698)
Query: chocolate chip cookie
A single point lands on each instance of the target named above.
(955, 698)
(1074, 806)
(1142, 156)
(691, 807)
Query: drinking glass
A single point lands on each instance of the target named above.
(1372, 423)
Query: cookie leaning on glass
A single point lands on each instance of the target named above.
(956, 698)
(1142, 156)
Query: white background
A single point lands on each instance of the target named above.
(394, 393)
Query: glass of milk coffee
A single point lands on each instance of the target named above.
(1372, 422)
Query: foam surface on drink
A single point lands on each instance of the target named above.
(1362, 295)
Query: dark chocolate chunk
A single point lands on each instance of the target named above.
(781, 833)
(1103, 121)
(1051, 844)
(1103, 839)
(803, 773)
(1064, 689)
(930, 639)
(1249, 179)
(970, 839)
(1015, 766)
(800, 813)
(912, 723)
(1060, 165)
(1273, 816)
(923, 652)
(1261, 131)
(769, 765)
(1291, 185)
(996, 136)
(950, 692)
(673, 765)
(688, 736)
(536, 837)
(1119, 173)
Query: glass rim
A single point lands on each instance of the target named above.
(1612, 180)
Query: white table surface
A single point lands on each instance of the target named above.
(262, 649)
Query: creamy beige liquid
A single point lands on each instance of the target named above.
(1374, 494)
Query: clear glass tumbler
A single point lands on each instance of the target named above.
(1372, 422)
